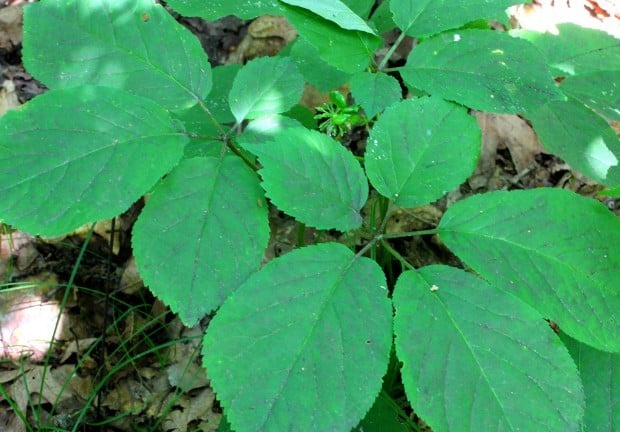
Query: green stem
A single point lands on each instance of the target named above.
(215, 122)
(239, 153)
(396, 254)
(394, 69)
(410, 234)
(301, 234)
(385, 59)
(403, 415)
(65, 298)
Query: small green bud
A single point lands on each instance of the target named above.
(338, 99)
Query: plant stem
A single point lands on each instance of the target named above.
(396, 254)
(215, 122)
(410, 234)
(239, 153)
(301, 234)
(385, 59)
(65, 298)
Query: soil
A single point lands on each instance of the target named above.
(108, 320)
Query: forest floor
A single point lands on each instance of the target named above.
(119, 351)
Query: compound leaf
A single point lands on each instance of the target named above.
(580, 137)
(481, 69)
(75, 156)
(218, 204)
(303, 344)
(313, 178)
(335, 11)
(424, 18)
(212, 10)
(600, 374)
(374, 91)
(476, 358)
(420, 149)
(134, 45)
(265, 86)
(555, 250)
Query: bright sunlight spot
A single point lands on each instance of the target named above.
(27, 322)
(599, 156)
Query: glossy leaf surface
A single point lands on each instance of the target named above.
(265, 86)
(335, 11)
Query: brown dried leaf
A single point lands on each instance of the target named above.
(8, 96)
(28, 319)
(266, 36)
(10, 28)
(504, 131)
(196, 408)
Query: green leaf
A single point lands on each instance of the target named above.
(205, 147)
(420, 149)
(384, 416)
(227, 241)
(303, 344)
(484, 70)
(196, 122)
(555, 250)
(75, 156)
(217, 102)
(580, 137)
(129, 44)
(598, 90)
(303, 116)
(313, 178)
(382, 17)
(374, 91)
(316, 71)
(265, 86)
(334, 11)
(224, 426)
(613, 192)
(212, 10)
(575, 50)
(600, 374)
(347, 50)
(477, 359)
(360, 7)
(424, 18)
(265, 128)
